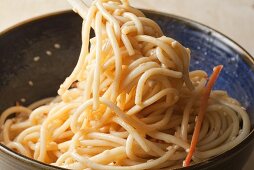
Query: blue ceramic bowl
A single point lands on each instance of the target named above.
(20, 44)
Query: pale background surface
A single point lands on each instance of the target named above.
(235, 18)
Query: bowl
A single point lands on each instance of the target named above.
(36, 56)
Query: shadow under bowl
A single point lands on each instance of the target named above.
(36, 56)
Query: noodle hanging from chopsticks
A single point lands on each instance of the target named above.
(133, 106)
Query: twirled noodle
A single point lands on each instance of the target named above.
(133, 105)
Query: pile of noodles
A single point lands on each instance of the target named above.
(130, 102)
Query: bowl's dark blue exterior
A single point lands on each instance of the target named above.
(19, 45)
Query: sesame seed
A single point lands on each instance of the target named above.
(48, 52)
(56, 45)
(23, 100)
(37, 58)
(30, 83)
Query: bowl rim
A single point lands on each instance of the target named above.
(229, 41)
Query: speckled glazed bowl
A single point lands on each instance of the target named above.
(20, 45)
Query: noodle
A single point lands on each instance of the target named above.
(133, 105)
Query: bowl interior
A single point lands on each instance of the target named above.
(22, 76)
(56, 41)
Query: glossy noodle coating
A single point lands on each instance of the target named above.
(133, 105)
